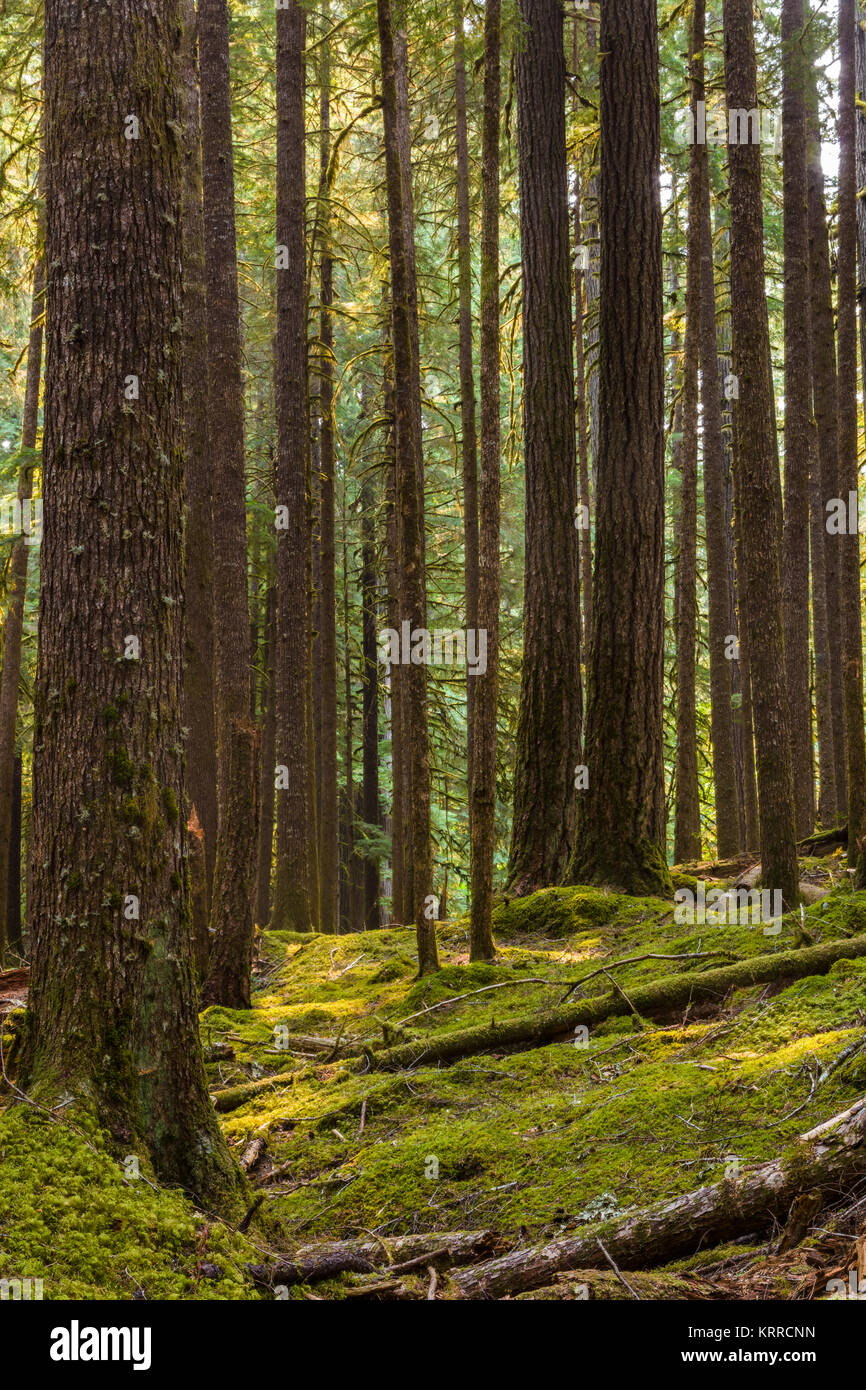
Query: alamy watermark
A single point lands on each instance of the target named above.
(758, 907)
(735, 126)
(439, 647)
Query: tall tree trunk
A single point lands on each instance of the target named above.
(292, 907)
(198, 683)
(13, 885)
(396, 672)
(826, 407)
(800, 441)
(848, 542)
(14, 624)
(370, 698)
(621, 815)
(584, 533)
(757, 487)
(549, 723)
(468, 431)
(687, 819)
(715, 511)
(482, 791)
(410, 517)
(228, 979)
(121, 1035)
(267, 793)
(327, 627)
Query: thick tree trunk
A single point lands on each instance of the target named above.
(482, 792)
(800, 443)
(827, 1160)
(826, 407)
(14, 626)
(549, 722)
(757, 474)
(410, 515)
(395, 672)
(687, 819)
(327, 594)
(198, 683)
(848, 545)
(292, 906)
(121, 1035)
(228, 980)
(621, 819)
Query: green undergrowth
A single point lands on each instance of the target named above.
(531, 1142)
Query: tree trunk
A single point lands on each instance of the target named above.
(584, 493)
(800, 441)
(292, 907)
(327, 625)
(228, 979)
(717, 523)
(13, 894)
(14, 624)
(395, 675)
(482, 788)
(410, 517)
(548, 731)
(370, 699)
(468, 432)
(621, 819)
(687, 820)
(198, 684)
(757, 481)
(267, 793)
(121, 1035)
(826, 406)
(848, 545)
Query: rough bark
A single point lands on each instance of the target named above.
(121, 1035)
(621, 818)
(231, 912)
(315, 1262)
(198, 681)
(549, 721)
(370, 699)
(267, 794)
(757, 480)
(482, 791)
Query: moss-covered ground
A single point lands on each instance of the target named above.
(530, 1143)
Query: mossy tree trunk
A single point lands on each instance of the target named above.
(757, 474)
(621, 818)
(482, 786)
(548, 730)
(228, 980)
(409, 513)
(112, 1014)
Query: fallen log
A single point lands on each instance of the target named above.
(824, 841)
(592, 1284)
(827, 1160)
(312, 1263)
(672, 992)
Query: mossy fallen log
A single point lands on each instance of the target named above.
(824, 841)
(398, 1254)
(826, 1161)
(672, 992)
(592, 1284)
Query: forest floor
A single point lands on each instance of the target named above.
(520, 1144)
